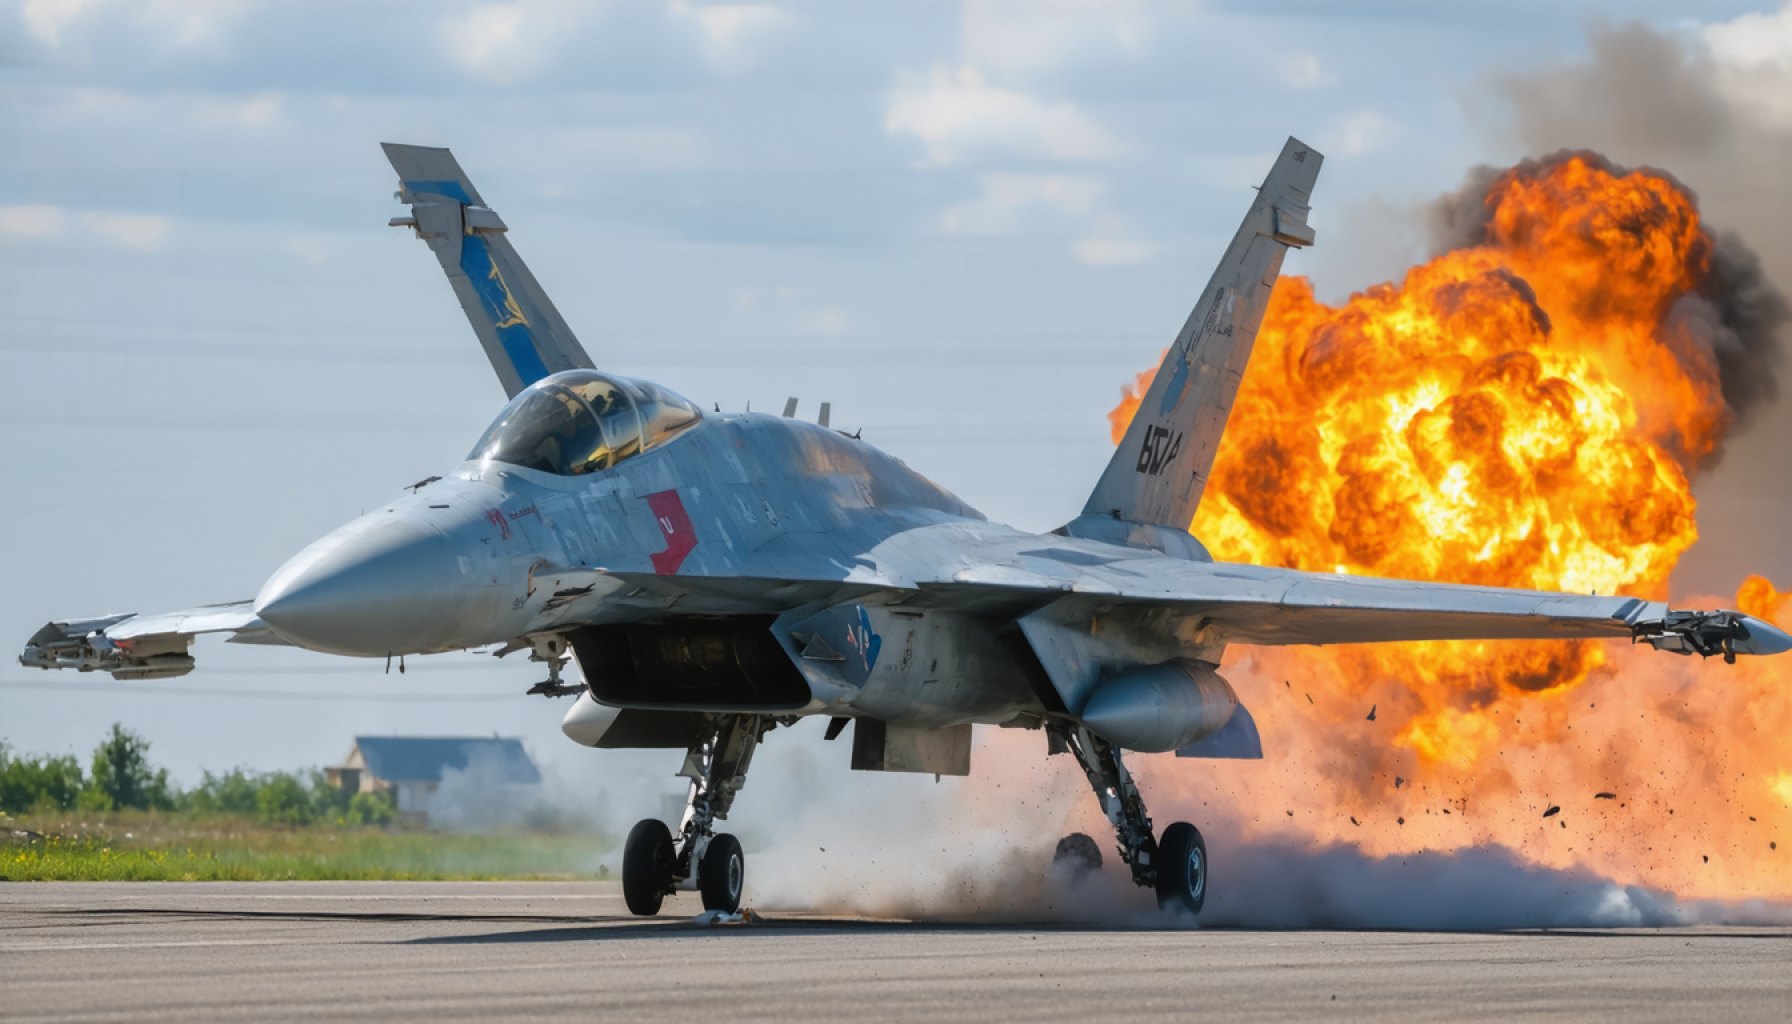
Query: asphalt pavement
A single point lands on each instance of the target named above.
(553, 951)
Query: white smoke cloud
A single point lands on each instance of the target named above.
(820, 840)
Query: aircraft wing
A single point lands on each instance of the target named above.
(1269, 606)
(142, 646)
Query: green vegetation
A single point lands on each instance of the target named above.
(122, 778)
(138, 846)
(122, 820)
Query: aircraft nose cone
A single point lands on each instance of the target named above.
(375, 587)
(1764, 638)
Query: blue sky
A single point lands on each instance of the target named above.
(963, 224)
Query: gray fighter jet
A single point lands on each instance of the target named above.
(717, 575)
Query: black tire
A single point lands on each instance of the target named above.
(647, 860)
(722, 874)
(1182, 868)
(1077, 855)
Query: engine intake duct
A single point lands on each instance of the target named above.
(732, 664)
(1154, 708)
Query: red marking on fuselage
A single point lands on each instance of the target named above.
(675, 526)
(496, 518)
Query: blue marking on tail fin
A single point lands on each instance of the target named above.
(451, 189)
(507, 316)
(1173, 393)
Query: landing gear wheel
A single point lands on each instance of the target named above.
(1182, 868)
(1077, 855)
(647, 861)
(722, 874)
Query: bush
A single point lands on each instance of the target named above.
(370, 809)
(282, 799)
(328, 803)
(231, 793)
(38, 783)
(121, 776)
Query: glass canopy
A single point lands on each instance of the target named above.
(581, 421)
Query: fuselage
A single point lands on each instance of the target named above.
(732, 510)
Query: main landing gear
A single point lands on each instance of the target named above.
(1175, 865)
(655, 864)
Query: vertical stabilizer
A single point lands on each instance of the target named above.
(1158, 472)
(522, 332)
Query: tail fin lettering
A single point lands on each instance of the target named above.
(1161, 466)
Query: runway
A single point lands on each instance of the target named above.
(482, 951)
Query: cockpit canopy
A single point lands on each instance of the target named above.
(581, 421)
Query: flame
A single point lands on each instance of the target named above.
(1759, 598)
(1525, 411)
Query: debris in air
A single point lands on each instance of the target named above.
(1552, 812)
(1399, 821)
(1355, 822)
(1291, 814)
(1309, 698)
(1707, 859)
(1605, 796)
(1398, 782)
(1372, 708)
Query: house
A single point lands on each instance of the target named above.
(412, 768)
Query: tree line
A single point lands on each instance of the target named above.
(121, 777)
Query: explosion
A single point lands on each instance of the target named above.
(1526, 409)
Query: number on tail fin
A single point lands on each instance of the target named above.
(1158, 449)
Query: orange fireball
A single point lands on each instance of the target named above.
(1524, 410)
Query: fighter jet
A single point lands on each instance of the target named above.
(719, 575)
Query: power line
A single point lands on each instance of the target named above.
(347, 696)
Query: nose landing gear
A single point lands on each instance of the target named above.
(1174, 866)
(655, 865)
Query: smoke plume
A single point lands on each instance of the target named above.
(1712, 104)
(1733, 321)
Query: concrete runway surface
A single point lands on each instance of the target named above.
(485, 951)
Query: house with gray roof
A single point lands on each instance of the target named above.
(412, 768)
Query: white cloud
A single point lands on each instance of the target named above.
(1753, 40)
(248, 112)
(1303, 71)
(1006, 198)
(37, 220)
(185, 25)
(731, 34)
(486, 40)
(828, 320)
(1754, 62)
(131, 230)
(46, 20)
(510, 42)
(312, 247)
(957, 115)
(43, 220)
(1106, 249)
(193, 24)
(1360, 132)
(1023, 37)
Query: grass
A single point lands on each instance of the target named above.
(155, 848)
